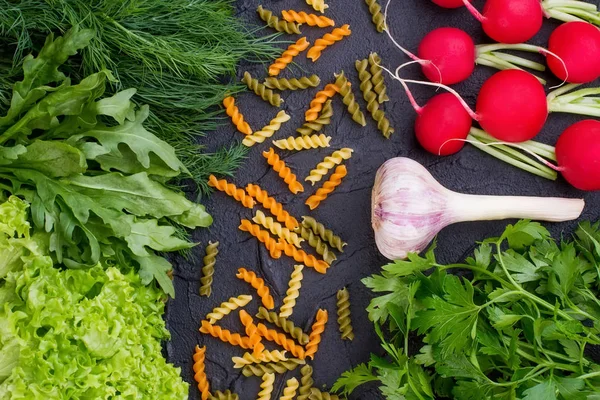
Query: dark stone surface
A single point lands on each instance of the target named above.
(347, 211)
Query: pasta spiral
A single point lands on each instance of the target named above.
(285, 324)
(252, 332)
(237, 117)
(208, 270)
(265, 356)
(306, 382)
(267, 131)
(329, 186)
(262, 236)
(325, 234)
(323, 168)
(314, 53)
(227, 307)
(319, 245)
(301, 83)
(366, 86)
(323, 119)
(318, 327)
(309, 19)
(284, 172)
(378, 17)
(261, 90)
(289, 392)
(316, 394)
(258, 284)
(318, 5)
(303, 142)
(266, 386)
(231, 190)
(292, 293)
(316, 105)
(343, 313)
(281, 339)
(272, 205)
(225, 335)
(288, 55)
(377, 78)
(200, 372)
(279, 367)
(276, 229)
(226, 395)
(349, 99)
(300, 256)
(274, 22)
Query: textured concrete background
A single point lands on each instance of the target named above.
(347, 211)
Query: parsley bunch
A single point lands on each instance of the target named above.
(518, 320)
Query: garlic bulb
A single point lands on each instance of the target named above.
(409, 207)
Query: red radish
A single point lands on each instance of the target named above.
(512, 106)
(452, 51)
(578, 155)
(449, 3)
(578, 45)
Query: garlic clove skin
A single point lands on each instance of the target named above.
(409, 208)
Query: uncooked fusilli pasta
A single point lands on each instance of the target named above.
(267, 131)
(208, 270)
(323, 168)
(265, 356)
(281, 339)
(325, 234)
(366, 86)
(314, 53)
(227, 307)
(279, 367)
(318, 244)
(303, 142)
(225, 335)
(252, 332)
(343, 313)
(226, 395)
(316, 394)
(274, 22)
(318, 5)
(284, 172)
(316, 104)
(378, 17)
(200, 373)
(292, 293)
(349, 99)
(323, 119)
(262, 236)
(301, 83)
(237, 117)
(268, 381)
(231, 190)
(258, 284)
(377, 78)
(300, 256)
(309, 19)
(285, 324)
(315, 333)
(289, 392)
(288, 55)
(306, 382)
(329, 186)
(276, 229)
(272, 205)
(261, 90)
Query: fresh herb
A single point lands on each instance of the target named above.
(95, 177)
(518, 323)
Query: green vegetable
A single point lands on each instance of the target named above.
(93, 334)
(517, 323)
(95, 177)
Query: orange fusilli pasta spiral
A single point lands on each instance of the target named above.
(230, 189)
(329, 186)
(284, 172)
(288, 55)
(300, 256)
(316, 105)
(252, 332)
(225, 335)
(262, 236)
(281, 339)
(236, 116)
(258, 284)
(327, 40)
(315, 334)
(308, 19)
(272, 205)
(200, 373)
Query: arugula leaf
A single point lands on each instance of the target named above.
(54, 159)
(155, 267)
(147, 233)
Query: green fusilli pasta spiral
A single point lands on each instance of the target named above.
(366, 86)
(316, 394)
(349, 100)
(318, 244)
(261, 90)
(325, 234)
(306, 382)
(323, 119)
(279, 367)
(377, 78)
(208, 270)
(226, 395)
(301, 83)
(284, 324)
(378, 17)
(274, 22)
(343, 313)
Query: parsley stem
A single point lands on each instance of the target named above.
(588, 376)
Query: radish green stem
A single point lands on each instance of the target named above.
(571, 10)
(492, 60)
(576, 102)
(538, 148)
(522, 62)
